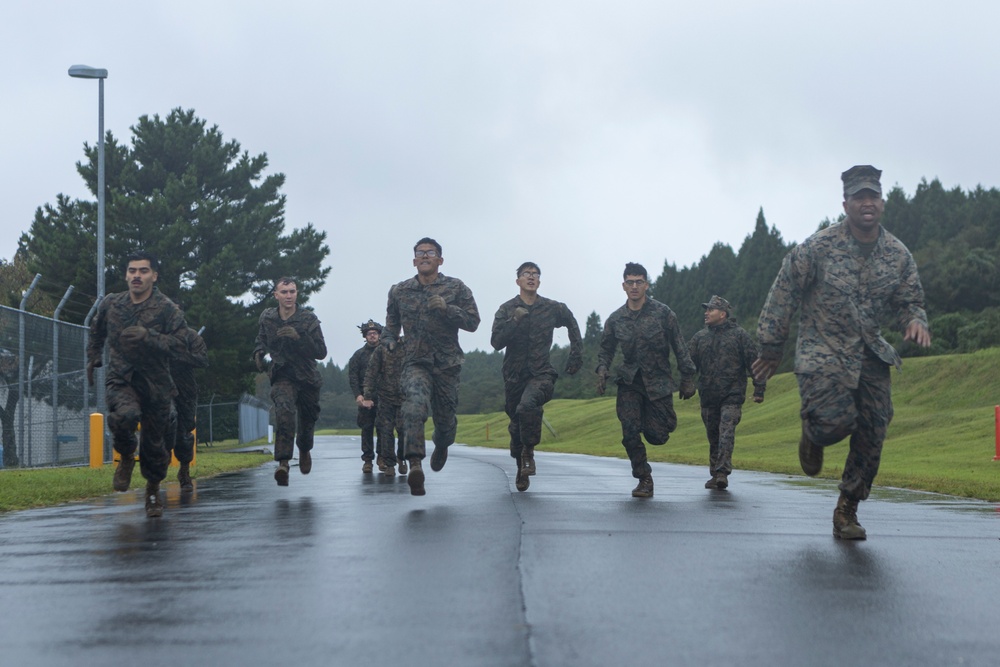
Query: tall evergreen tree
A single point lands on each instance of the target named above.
(210, 214)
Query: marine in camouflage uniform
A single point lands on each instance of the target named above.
(194, 354)
(356, 368)
(293, 338)
(382, 391)
(429, 308)
(646, 330)
(844, 280)
(723, 352)
(144, 331)
(524, 326)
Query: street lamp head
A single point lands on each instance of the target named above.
(87, 72)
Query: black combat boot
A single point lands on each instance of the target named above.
(305, 461)
(184, 477)
(523, 480)
(528, 457)
(810, 456)
(154, 507)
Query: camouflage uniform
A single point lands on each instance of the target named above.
(841, 359)
(295, 380)
(645, 403)
(138, 383)
(356, 368)
(723, 355)
(382, 386)
(193, 355)
(528, 376)
(433, 359)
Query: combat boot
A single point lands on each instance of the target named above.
(523, 480)
(281, 474)
(154, 507)
(810, 456)
(305, 461)
(380, 463)
(388, 470)
(645, 487)
(439, 457)
(721, 480)
(123, 473)
(528, 457)
(845, 520)
(366, 468)
(402, 466)
(184, 477)
(416, 478)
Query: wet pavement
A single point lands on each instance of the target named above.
(342, 568)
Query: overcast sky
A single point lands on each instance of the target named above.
(578, 135)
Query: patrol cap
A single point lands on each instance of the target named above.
(861, 177)
(369, 325)
(718, 303)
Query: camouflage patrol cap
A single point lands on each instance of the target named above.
(369, 325)
(861, 177)
(718, 303)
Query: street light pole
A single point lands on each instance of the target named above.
(85, 72)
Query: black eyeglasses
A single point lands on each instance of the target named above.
(425, 253)
(635, 283)
(530, 274)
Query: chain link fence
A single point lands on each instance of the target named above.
(45, 402)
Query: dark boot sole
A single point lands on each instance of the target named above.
(439, 458)
(416, 481)
(523, 480)
(281, 476)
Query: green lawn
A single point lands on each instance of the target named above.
(942, 438)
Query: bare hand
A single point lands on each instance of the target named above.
(368, 404)
(132, 336)
(602, 380)
(288, 331)
(763, 369)
(258, 359)
(573, 365)
(758, 399)
(359, 400)
(91, 365)
(437, 302)
(918, 333)
(687, 389)
(519, 314)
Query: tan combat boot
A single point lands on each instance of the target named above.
(281, 473)
(645, 487)
(416, 478)
(845, 520)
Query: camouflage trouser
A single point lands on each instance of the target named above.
(830, 413)
(523, 404)
(720, 425)
(431, 391)
(389, 427)
(183, 422)
(641, 416)
(290, 399)
(130, 404)
(366, 422)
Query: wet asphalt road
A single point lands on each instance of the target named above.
(340, 568)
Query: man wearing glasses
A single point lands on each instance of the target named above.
(524, 326)
(646, 330)
(429, 308)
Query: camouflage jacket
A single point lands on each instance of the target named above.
(431, 336)
(382, 376)
(194, 354)
(292, 359)
(723, 355)
(529, 341)
(151, 358)
(646, 337)
(357, 366)
(842, 297)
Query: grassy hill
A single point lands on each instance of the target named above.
(941, 439)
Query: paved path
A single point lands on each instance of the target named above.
(346, 569)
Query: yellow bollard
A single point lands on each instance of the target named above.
(96, 439)
(194, 452)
